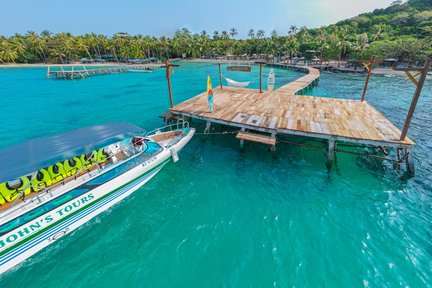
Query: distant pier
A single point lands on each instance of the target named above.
(80, 72)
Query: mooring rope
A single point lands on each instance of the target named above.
(323, 149)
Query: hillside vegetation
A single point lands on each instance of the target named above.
(402, 31)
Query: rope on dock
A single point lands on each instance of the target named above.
(396, 161)
(217, 133)
(323, 149)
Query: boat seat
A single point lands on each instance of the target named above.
(72, 166)
(100, 156)
(86, 161)
(10, 193)
(57, 172)
(41, 180)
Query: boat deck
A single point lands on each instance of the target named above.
(282, 112)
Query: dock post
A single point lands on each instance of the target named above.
(261, 78)
(410, 162)
(241, 140)
(368, 66)
(48, 72)
(168, 74)
(419, 84)
(220, 75)
(273, 147)
(207, 129)
(330, 152)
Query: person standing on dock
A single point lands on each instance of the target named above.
(210, 94)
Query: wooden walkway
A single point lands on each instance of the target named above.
(301, 85)
(284, 113)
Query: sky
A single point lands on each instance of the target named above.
(163, 18)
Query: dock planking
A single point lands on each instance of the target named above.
(283, 112)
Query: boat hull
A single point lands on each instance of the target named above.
(65, 219)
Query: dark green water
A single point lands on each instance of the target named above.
(221, 218)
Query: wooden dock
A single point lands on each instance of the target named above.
(83, 72)
(281, 112)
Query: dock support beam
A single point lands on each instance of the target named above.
(331, 152)
(241, 140)
(273, 147)
(220, 76)
(207, 129)
(368, 67)
(419, 86)
(410, 163)
(261, 65)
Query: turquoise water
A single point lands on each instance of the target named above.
(221, 218)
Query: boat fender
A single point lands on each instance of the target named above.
(174, 155)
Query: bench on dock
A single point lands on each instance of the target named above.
(253, 137)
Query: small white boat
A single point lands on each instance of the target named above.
(271, 80)
(63, 181)
(139, 70)
(237, 84)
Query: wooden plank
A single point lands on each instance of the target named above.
(256, 138)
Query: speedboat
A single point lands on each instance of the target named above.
(50, 186)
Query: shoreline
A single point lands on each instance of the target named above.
(376, 71)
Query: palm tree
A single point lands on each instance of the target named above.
(7, 53)
(362, 41)
(251, 33)
(37, 45)
(292, 30)
(260, 34)
(233, 32)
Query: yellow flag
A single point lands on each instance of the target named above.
(209, 86)
(209, 94)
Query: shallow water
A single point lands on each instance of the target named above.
(219, 217)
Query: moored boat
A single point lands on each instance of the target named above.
(65, 180)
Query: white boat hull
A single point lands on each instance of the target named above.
(64, 219)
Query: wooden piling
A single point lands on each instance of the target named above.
(220, 76)
(261, 65)
(168, 77)
(419, 84)
(368, 65)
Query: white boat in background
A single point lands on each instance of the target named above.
(237, 84)
(139, 70)
(53, 185)
(271, 80)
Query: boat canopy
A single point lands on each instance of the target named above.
(25, 158)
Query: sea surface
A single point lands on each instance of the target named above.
(224, 218)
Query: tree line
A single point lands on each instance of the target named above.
(402, 31)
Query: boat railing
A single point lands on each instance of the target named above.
(180, 126)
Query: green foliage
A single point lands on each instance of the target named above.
(402, 31)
